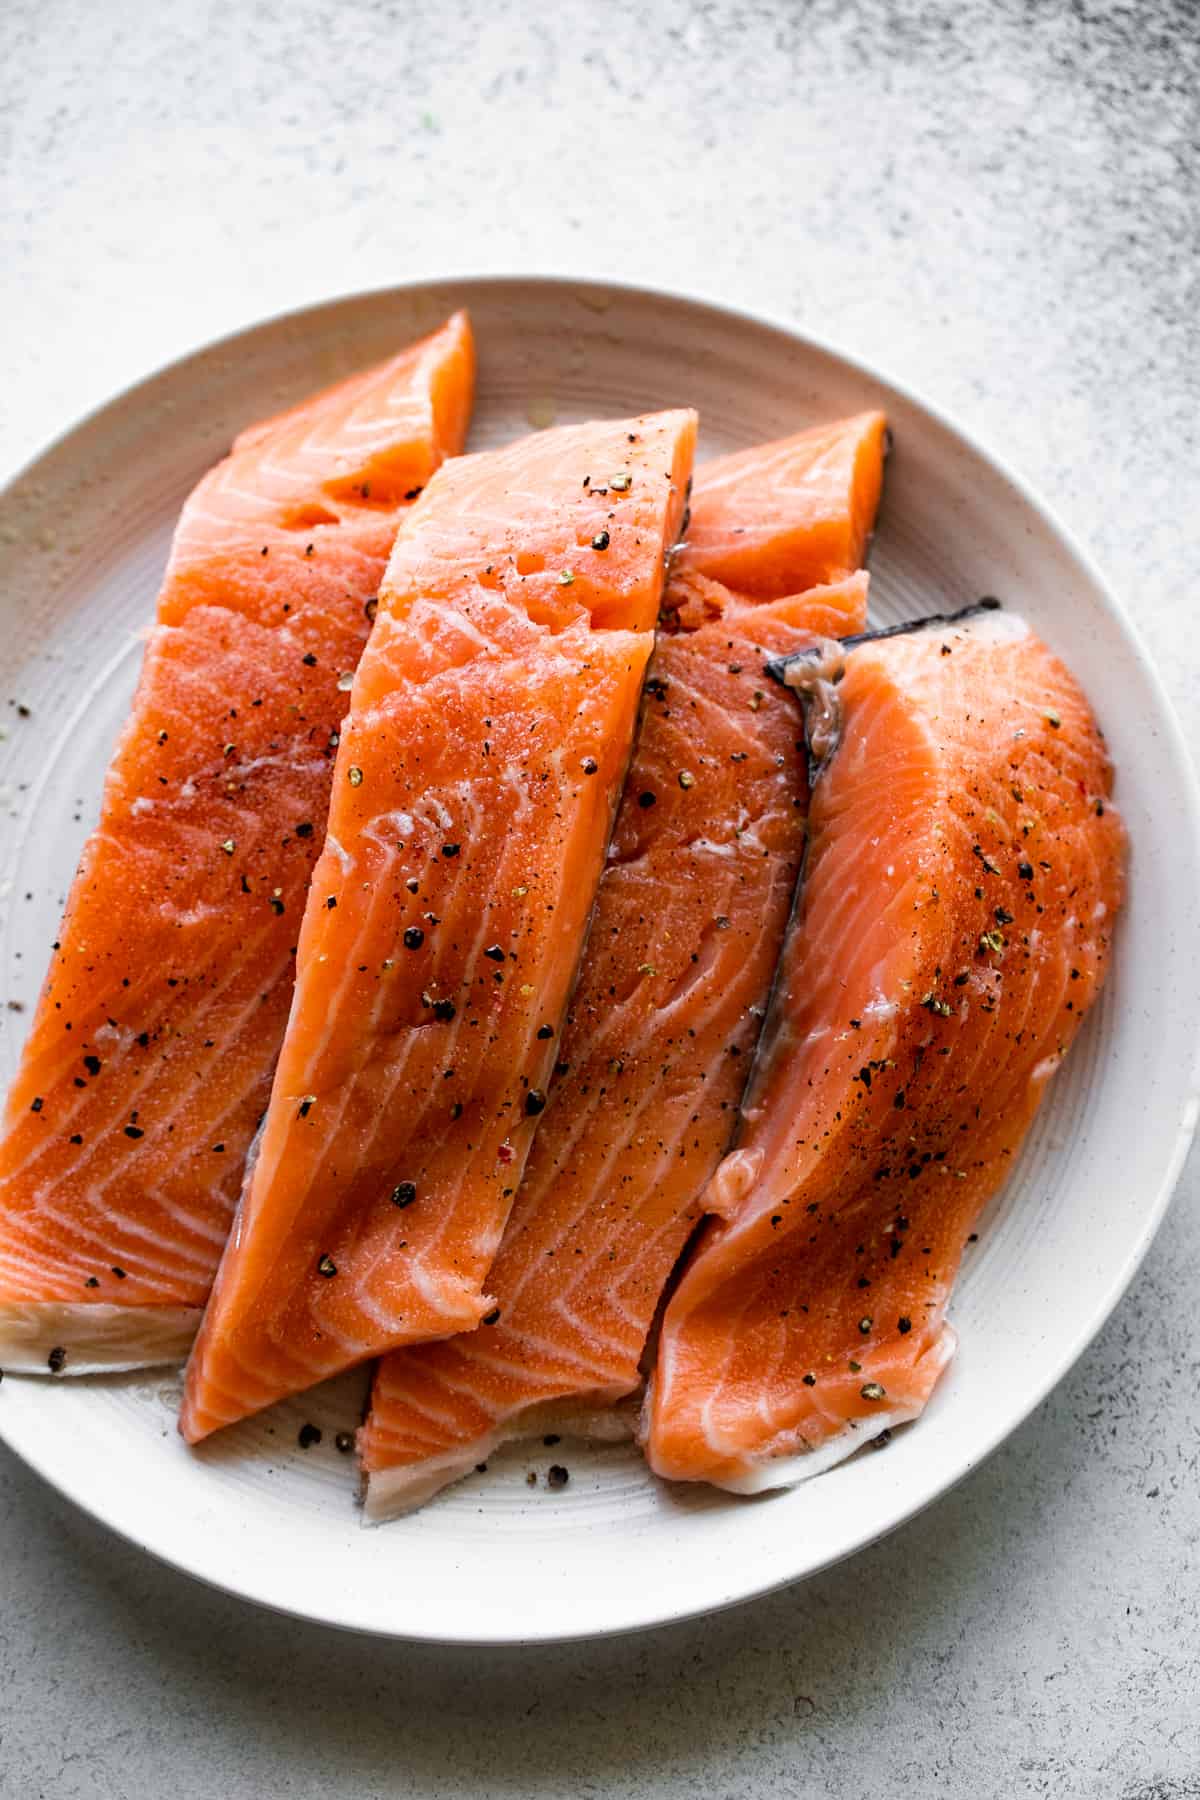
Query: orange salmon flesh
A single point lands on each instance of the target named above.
(525, 947)
(964, 872)
(490, 729)
(688, 926)
(150, 1059)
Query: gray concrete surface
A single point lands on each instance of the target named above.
(999, 203)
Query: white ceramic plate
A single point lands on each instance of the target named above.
(85, 533)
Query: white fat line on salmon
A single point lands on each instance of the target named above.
(143, 1092)
(336, 848)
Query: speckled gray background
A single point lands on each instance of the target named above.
(1001, 204)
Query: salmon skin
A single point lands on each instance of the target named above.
(963, 876)
(150, 1058)
(687, 930)
(490, 730)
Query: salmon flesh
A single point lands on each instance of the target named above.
(963, 877)
(149, 1062)
(490, 729)
(687, 931)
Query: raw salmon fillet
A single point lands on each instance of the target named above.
(802, 516)
(490, 730)
(963, 877)
(687, 931)
(688, 926)
(149, 1063)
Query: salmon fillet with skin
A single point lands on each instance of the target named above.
(964, 874)
(490, 730)
(150, 1058)
(687, 930)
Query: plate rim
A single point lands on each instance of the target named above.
(721, 314)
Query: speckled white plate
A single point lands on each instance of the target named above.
(85, 533)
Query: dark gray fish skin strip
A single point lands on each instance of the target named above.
(814, 674)
(777, 668)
